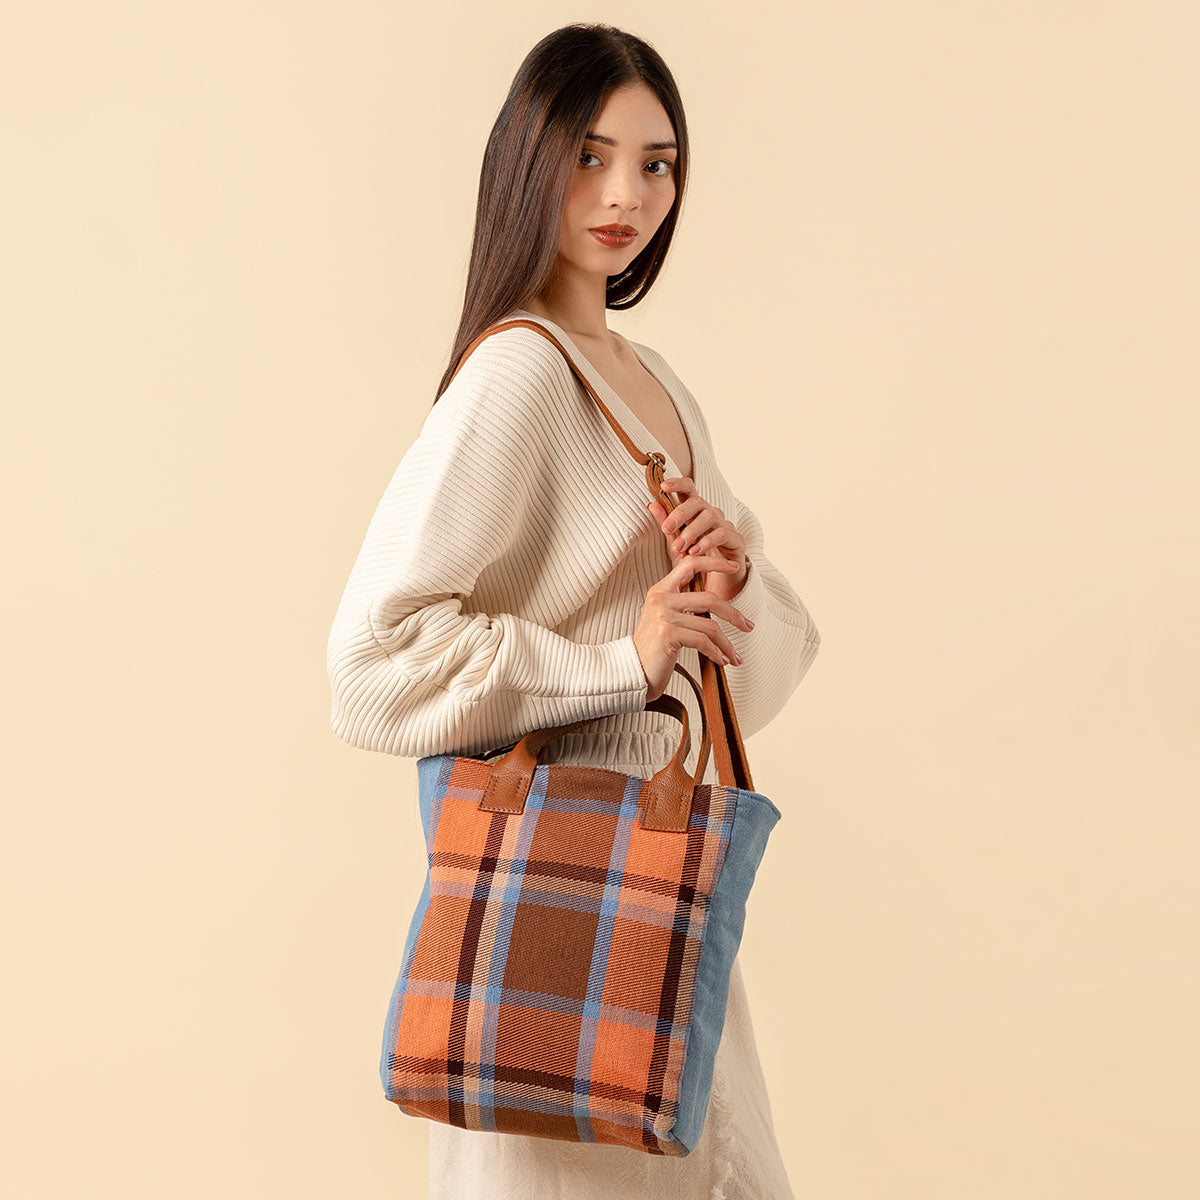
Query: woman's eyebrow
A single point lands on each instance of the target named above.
(599, 137)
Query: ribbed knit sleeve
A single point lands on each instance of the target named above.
(411, 671)
(778, 651)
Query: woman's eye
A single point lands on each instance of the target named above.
(667, 163)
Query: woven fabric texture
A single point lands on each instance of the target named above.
(488, 1031)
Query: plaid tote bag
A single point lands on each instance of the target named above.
(566, 970)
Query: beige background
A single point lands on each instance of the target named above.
(936, 287)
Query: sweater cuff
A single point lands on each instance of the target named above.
(623, 673)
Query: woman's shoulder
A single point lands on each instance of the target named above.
(511, 388)
(519, 359)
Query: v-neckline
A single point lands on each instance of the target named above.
(633, 425)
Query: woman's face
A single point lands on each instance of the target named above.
(625, 175)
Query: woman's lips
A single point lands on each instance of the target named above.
(613, 240)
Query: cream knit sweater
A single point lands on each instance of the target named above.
(503, 571)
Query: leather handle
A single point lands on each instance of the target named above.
(668, 792)
(669, 806)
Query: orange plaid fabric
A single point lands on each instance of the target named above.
(548, 975)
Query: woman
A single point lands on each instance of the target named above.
(514, 576)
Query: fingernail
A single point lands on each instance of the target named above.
(749, 623)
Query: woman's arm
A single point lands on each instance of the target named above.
(410, 672)
(778, 651)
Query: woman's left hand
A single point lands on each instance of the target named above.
(694, 526)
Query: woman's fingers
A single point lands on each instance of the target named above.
(680, 575)
(693, 522)
(703, 523)
(670, 620)
(710, 602)
(683, 512)
(681, 487)
(675, 586)
(703, 634)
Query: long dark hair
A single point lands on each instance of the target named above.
(531, 155)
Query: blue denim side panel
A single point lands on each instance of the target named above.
(428, 777)
(753, 820)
